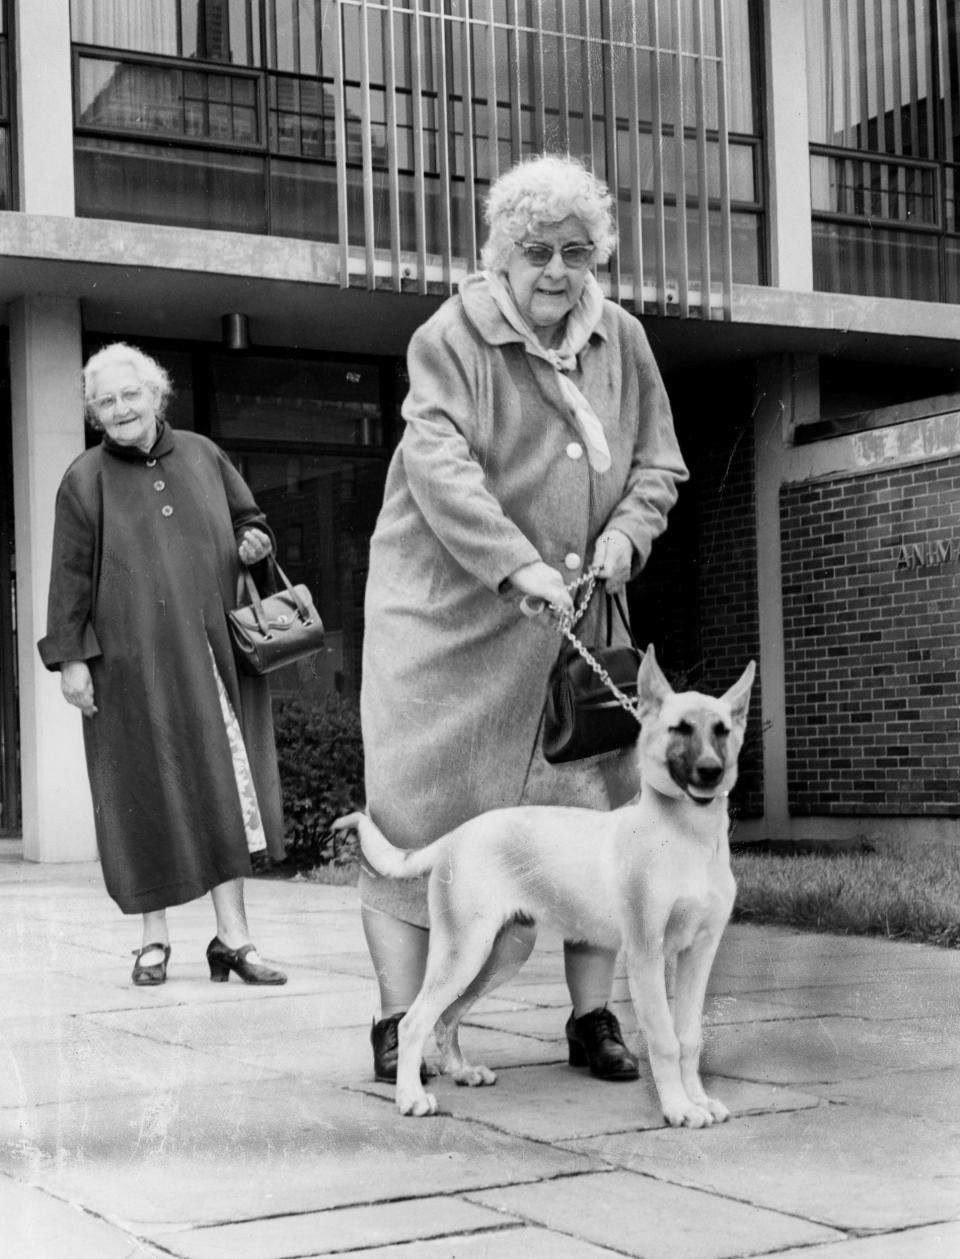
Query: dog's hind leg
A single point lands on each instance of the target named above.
(512, 947)
(693, 973)
(456, 958)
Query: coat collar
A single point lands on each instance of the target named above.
(162, 446)
(484, 313)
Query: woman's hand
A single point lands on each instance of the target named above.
(613, 559)
(254, 546)
(76, 686)
(540, 581)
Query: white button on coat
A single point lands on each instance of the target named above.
(575, 450)
(166, 511)
(571, 560)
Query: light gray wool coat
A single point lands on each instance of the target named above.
(490, 475)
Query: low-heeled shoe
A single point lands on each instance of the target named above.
(156, 972)
(222, 961)
(383, 1038)
(595, 1041)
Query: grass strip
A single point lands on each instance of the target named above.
(899, 892)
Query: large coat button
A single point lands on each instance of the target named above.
(571, 560)
(166, 511)
(575, 450)
(159, 485)
(151, 463)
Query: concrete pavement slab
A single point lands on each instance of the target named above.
(849, 1168)
(337, 1231)
(543, 1104)
(927, 1094)
(803, 1051)
(506, 1243)
(34, 1225)
(211, 1155)
(641, 1217)
(938, 1241)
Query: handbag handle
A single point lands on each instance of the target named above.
(613, 601)
(246, 585)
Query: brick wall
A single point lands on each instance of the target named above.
(697, 599)
(871, 602)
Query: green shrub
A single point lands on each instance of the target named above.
(320, 753)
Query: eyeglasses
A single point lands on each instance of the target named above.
(539, 254)
(108, 402)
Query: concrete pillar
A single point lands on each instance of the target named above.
(788, 146)
(45, 363)
(44, 110)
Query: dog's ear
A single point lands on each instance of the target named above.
(738, 697)
(652, 686)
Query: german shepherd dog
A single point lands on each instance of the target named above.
(652, 878)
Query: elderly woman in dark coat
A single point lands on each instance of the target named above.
(538, 442)
(151, 528)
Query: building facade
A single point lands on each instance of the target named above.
(270, 195)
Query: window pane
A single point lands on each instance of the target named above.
(143, 25)
(322, 509)
(876, 261)
(303, 200)
(179, 186)
(280, 400)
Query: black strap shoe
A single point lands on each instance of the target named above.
(383, 1038)
(595, 1041)
(156, 972)
(222, 961)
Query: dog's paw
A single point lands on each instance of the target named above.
(417, 1104)
(687, 1115)
(717, 1110)
(473, 1077)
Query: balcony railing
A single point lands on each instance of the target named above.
(388, 153)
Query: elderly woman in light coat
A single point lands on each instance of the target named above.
(538, 442)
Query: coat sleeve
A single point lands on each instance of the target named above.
(70, 633)
(444, 474)
(656, 468)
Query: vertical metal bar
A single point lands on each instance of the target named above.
(862, 63)
(897, 94)
(340, 136)
(659, 208)
(393, 146)
(848, 69)
(680, 169)
(444, 140)
(723, 147)
(563, 70)
(419, 191)
(612, 173)
(886, 171)
(493, 118)
(912, 71)
(703, 182)
(926, 46)
(587, 63)
(636, 171)
(516, 99)
(947, 85)
(366, 150)
(469, 146)
(539, 101)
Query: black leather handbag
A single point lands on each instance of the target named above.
(583, 717)
(274, 630)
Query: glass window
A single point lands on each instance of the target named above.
(271, 400)
(147, 183)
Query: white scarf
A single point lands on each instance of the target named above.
(580, 325)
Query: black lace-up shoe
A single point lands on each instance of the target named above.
(595, 1041)
(383, 1038)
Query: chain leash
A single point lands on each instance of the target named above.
(565, 623)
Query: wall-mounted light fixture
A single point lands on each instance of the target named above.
(235, 332)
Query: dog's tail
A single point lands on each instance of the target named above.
(396, 863)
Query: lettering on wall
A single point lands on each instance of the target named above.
(928, 554)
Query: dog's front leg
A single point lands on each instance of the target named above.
(646, 970)
(693, 972)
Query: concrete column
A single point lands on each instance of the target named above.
(788, 151)
(44, 112)
(45, 363)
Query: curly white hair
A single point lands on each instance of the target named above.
(538, 192)
(149, 371)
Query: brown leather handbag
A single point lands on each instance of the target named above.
(274, 630)
(583, 716)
